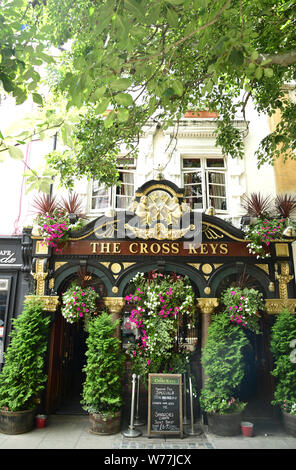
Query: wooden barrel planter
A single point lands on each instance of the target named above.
(16, 422)
(290, 423)
(104, 426)
(224, 425)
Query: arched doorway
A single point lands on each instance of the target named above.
(258, 384)
(187, 336)
(67, 349)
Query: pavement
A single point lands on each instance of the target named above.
(70, 432)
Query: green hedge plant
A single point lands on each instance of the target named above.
(22, 378)
(223, 362)
(282, 334)
(102, 389)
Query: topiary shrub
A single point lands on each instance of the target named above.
(22, 377)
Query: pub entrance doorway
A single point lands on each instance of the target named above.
(66, 361)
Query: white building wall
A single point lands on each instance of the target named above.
(158, 152)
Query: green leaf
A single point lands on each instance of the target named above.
(15, 152)
(258, 73)
(109, 120)
(173, 18)
(124, 99)
(123, 115)
(268, 72)
(102, 106)
(121, 84)
(237, 57)
(37, 98)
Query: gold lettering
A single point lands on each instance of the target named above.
(157, 250)
(223, 249)
(192, 250)
(203, 249)
(94, 246)
(165, 248)
(144, 248)
(131, 247)
(116, 248)
(105, 247)
(214, 248)
(175, 248)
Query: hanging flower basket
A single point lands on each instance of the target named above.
(79, 303)
(243, 306)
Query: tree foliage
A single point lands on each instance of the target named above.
(155, 59)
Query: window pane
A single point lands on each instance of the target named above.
(191, 163)
(215, 163)
(100, 197)
(193, 190)
(125, 192)
(216, 178)
(218, 203)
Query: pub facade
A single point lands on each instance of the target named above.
(160, 234)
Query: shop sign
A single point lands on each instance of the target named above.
(153, 248)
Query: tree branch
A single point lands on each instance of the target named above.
(283, 59)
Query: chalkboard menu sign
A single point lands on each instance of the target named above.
(165, 404)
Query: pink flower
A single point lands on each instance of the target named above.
(148, 362)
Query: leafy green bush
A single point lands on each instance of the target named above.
(102, 389)
(282, 333)
(223, 362)
(22, 378)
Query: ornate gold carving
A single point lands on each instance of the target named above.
(51, 283)
(195, 265)
(271, 287)
(264, 267)
(127, 265)
(50, 302)
(284, 278)
(115, 289)
(210, 233)
(217, 265)
(58, 264)
(274, 306)
(155, 208)
(41, 248)
(105, 263)
(207, 290)
(39, 275)
(206, 268)
(114, 304)
(282, 249)
(207, 304)
(115, 268)
(159, 232)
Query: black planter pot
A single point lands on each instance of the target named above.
(290, 423)
(16, 422)
(224, 425)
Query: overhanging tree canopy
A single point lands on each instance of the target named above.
(143, 59)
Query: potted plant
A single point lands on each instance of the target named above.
(22, 377)
(283, 333)
(102, 389)
(223, 362)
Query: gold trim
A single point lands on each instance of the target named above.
(59, 264)
(284, 278)
(115, 268)
(39, 275)
(50, 302)
(207, 304)
(159, 186)
(206, 268)
(282, 249)
(195, 265)
(264, 267)
(207, 290)
(223, 231)
(41, 248)
(114, 304)
(105, 263)
(127, 265)
(275, 306)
